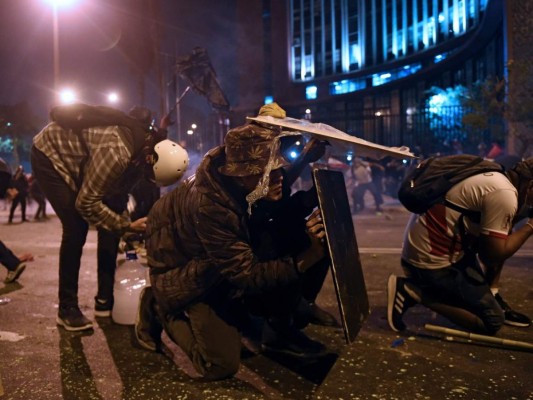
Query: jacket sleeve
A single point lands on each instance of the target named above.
(103, 170)
(227, 245)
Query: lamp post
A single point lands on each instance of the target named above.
(56, 47)
(55, 27)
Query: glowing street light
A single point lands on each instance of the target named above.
(193, 128)
(112, 97)
(68, 96)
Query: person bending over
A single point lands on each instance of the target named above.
(86, 161)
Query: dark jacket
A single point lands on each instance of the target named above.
(20, 182)
(198, 237)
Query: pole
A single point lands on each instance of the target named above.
(178, 111)
(55, 28)
(480, 338)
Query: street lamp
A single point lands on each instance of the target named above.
(67, 96)
(112, 97)
(193, 128)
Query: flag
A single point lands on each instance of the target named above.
(197, 71)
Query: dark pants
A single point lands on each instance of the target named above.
(211, 343)
(107, 262)
(7, 258)
(41, 208)
(75, 228)
(19, 199)
(209, 331)
(460, 285)
(358, 196)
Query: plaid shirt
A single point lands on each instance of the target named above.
(90, 174)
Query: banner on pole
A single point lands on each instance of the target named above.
(197, 71)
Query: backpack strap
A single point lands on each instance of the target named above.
(459, 230)
(474, 216)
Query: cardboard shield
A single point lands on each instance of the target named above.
(346, 267)
(336, 137)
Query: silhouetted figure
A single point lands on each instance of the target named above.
(20, 183)
(37, 194)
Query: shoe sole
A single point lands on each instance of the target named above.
(17, 275)
(517, 324)
(391, 297)
(102, 313)
(145, 345)
(70, 328)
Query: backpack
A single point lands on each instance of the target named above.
(82, 116)
(428, 183)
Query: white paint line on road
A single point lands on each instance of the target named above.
(397, 250)
(380, 250)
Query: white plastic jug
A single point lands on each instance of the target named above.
(130, 279)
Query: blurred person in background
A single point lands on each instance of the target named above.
(19, 185)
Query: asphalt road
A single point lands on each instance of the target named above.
(40, 361)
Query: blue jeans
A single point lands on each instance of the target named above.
(461, 285)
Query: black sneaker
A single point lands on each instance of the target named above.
(102, 308)
(148, 329)
(398, 302)
(12, 276)
(310, 313)
(512, 317)
(72, 319)
(291, 341)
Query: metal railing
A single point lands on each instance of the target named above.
(426, 130)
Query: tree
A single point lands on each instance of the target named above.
(444, 110)
(18, 125)
(519, 105)
(494, 101)
(485, 102)
(484, 115)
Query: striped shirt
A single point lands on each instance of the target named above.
(91, 169)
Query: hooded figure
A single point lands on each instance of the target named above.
(230, 242)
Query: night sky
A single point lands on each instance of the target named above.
(92, 39)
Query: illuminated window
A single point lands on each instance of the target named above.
(311, 92)
(440, 57)
(347, 86)
(329, 37)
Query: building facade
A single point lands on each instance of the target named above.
(382, 69)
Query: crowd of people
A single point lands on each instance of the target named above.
(235, 252)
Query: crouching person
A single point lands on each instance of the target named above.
(228, 243)
(453, 263)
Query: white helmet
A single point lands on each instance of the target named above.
(172, 162)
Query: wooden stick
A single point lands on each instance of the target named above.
(480, 338)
